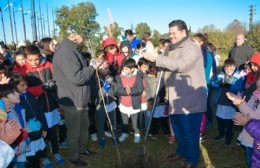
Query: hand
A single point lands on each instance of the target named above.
(128, 90)
(149, 56)
(4, 80)
(236, 99)
(9, 131)
(241, 119)
(44, 134)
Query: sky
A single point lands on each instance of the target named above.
(156, 13)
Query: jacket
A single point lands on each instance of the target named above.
(35, 113)
(134, 99)
(253, 128)
(225, 84)
(241, 54)
(36, 77)
(72, 75)
(186, 78)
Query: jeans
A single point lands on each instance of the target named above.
(187, 133)
(134, 118)
(101, 120)
(249, 153)
(77, 122)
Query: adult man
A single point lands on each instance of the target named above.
(186, 88)
(132, 39)
(72, 77)
(241, 51)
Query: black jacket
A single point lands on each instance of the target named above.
(72, 75)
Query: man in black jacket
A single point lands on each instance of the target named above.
(72, 75)
(241, 51)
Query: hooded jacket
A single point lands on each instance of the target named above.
(115, 61)
(252, 77)
(72, 75)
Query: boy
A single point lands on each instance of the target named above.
(34, 116)
(41, 86)
(129, 88)
(228, 81)
(20, 146)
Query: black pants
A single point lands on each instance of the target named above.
(62, 133)
(225, 128)
(53, 139)
(158, 123)
(92, 118)
(34, 161)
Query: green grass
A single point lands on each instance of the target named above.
(213, 154)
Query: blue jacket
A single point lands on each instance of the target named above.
(134, 43)
(225, 84)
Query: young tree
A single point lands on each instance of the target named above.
(142, 28)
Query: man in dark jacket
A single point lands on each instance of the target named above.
(72, 75)
(241, 51)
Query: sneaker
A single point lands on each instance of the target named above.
(58, 159)
(123, 137)
(219, 138)
(202, 139)
(79, 163)
(102, 142)
(137, 138)
(171, 140)
(46, 163)
(93, 137)
(108, 134)
(63, 145)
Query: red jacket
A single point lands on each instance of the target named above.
(118, 57)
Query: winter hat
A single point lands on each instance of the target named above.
(256, 59)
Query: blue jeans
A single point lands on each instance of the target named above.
(249, 153)
(187, 133)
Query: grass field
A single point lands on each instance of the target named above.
(213, 154)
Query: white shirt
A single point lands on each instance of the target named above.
(6, 154)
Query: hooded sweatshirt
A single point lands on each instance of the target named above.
(252, 77)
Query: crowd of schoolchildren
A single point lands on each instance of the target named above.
(28, 96)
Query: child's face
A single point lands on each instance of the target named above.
(33, 60)
(20, 60)
(13, 98)
(21, 87)
(144, 68)
(128, 71)
(254, 67)
(112, 50)
(229, 69)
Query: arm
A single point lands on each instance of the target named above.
(253, 128)
(72, 67)
(120, 89)
(188, 58)
(138, 87)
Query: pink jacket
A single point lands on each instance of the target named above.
(247, 108)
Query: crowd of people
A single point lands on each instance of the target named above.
(53, 95)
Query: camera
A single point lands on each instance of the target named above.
(49, 86)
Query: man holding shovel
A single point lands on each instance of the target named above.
(187, 92)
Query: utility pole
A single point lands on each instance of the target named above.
(41, 17)
(53, 22)
(15, 30)
(251, 20)
(10, 17)
(33, 19)
(24, 29)
(3, 24)
(48, 20)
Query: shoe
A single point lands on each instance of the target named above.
(58, 159)
(93, 137)
(228, 142)
(202, 138)
(175, 157)
(79, 163)
(63, 145)
(108, 134)
(219, 138)
(171, 140)
(46, 163)
(89, 153)
(137, 138)
(123, 137)
(154, 137)
(102, 142)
